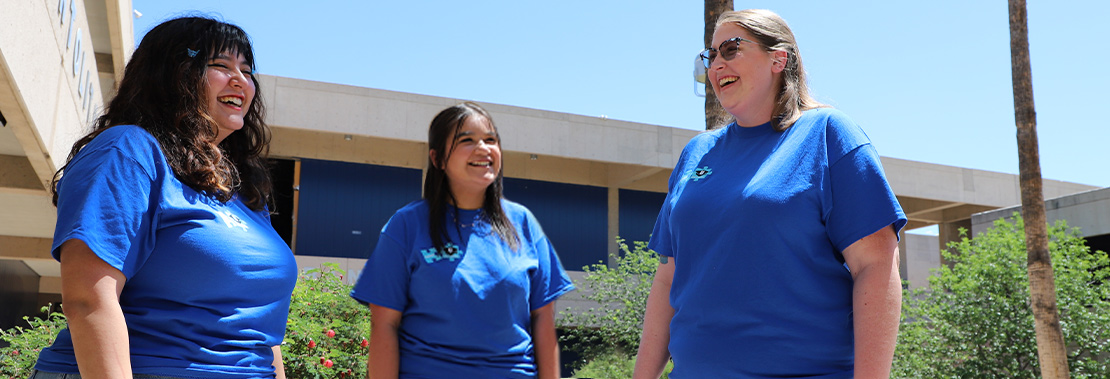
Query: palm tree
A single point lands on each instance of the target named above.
(1042, 287)
(715, 116)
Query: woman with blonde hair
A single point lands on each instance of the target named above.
(778, 235)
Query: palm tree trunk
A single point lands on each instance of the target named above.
(1042, 287)
(715, 116)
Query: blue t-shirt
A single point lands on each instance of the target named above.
(208, 283)
(756, 220)
(465, 309)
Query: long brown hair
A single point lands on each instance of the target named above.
(772, 32)
(437, 189)
(163, 90)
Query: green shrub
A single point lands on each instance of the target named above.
(321, 304)
(614, 328)
(975, 319)
(17, 360)
(612, 366)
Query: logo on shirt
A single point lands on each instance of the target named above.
(231, 220)
(450, 252)
(700, 173)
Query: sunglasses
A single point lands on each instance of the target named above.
(728, 50)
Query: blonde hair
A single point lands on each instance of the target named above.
(772, 32)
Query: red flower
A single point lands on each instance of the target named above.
(365, 343)
(311, 344)
(328, 363)
(331, 333)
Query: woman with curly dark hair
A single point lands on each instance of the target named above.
(170, 267)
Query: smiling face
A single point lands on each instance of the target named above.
(746, 85)
(230, 92)
(474, 161)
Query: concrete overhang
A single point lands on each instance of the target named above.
(398, 117)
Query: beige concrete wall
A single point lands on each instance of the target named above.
(57, 62)
(48, 101)
(49, 91)
(1089, 211)
(351, 267)
(922, 256)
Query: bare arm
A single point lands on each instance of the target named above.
(385, 356)
(545, 343)
(279, 366)
(653, 353)
(876, 301)
(90, 292)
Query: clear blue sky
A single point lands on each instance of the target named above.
(929, 81)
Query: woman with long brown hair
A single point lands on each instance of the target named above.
(462, 284)
(170, 267)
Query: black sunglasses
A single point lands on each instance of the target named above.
(728, 50)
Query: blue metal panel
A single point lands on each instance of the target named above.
(343, 206)
(573, 217)
(638, 211)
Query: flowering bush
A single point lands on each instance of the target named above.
(328, 332)
(17, 360)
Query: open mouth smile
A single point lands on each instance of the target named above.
(231, 100)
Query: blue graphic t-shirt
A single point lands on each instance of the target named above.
(208, 283)
(466, 308)
(756, 220)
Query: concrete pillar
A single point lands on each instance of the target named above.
(922, 256)
(614, 225)
(950, 232)
(903, 264)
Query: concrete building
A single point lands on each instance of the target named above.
(59, 60)
(346, 157)
(1089, 211)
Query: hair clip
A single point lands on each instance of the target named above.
(192, 53)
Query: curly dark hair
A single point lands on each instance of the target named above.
(437, 188)
(163, 90)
